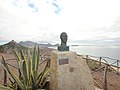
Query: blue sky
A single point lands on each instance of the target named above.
(85, 21)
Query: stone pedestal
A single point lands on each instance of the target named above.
(69, 72)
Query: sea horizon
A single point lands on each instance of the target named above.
(110, 51)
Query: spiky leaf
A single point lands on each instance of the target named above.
(17, 58)
(43, 74)
(25, 72)
(12, 74)
(34, 59)
(5, 88)
(38, 59)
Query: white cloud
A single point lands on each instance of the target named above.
(81, 19)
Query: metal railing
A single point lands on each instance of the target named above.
(104, 63)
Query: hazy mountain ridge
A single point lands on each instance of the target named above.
(31, 44)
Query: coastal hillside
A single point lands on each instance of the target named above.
(11, 46)
(31, 44)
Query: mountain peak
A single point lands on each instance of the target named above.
(12, 42)
(11, 46)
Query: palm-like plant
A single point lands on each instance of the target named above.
(29, 77)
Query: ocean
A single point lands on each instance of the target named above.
(98, 51)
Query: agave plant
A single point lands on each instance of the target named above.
(30, 78)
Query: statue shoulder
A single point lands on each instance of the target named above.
(63, 48)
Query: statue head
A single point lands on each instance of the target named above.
(63, 46)
(63, 37)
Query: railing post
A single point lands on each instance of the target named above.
(87, 58)
(5, 77)
(117, 66)
(105, 78)
(100, 61)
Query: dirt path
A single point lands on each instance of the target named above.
(112, 78)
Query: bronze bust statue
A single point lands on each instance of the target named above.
(63, 46)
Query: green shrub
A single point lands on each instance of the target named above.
(29, 77)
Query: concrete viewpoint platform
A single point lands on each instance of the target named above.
(69, 72)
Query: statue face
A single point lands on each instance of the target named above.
(63, 46)
(64, 37)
